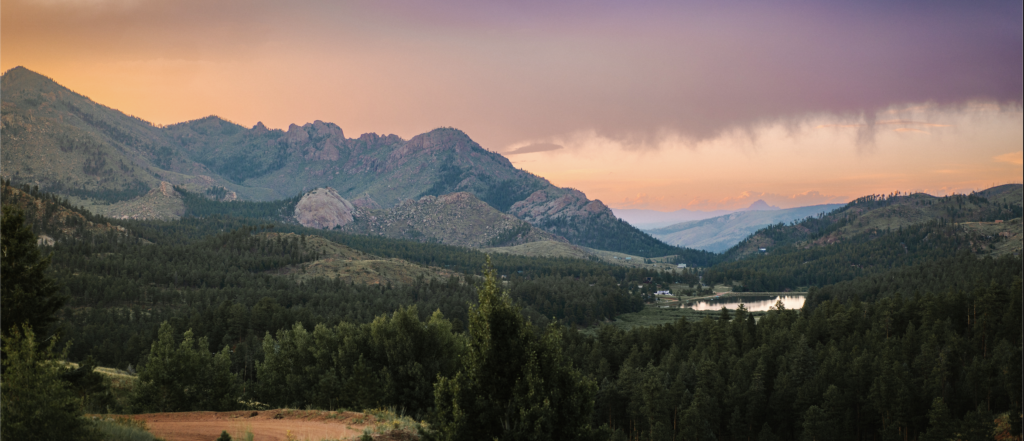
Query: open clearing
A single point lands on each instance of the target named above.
(268, 425)
(550, 248)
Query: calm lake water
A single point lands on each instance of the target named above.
(755, 303)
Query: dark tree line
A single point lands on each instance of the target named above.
(921, 367)
(199, 205)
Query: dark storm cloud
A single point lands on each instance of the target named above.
(513, 71)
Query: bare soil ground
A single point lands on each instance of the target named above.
(268, 425)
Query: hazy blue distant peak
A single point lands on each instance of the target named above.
(760, 205)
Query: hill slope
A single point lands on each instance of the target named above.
(870, 235)
(880, 213)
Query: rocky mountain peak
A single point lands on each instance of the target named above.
(320, 129)
(295, 134)
(760, 205)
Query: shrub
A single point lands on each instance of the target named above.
(121, 428)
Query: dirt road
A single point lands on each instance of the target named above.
(269, 425)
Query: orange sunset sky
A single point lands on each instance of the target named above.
(707, 105)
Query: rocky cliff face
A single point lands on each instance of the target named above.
(453, 219)
(324, 208)
(545, 205)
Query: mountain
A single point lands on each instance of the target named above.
(718, 234)
(649, 219)
(760, 205)
(67, 144)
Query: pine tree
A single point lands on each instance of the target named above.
(37, 404)
(514, 384)
(186, 376)
(29, 295)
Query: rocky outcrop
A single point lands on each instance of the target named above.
(318, 141)
(259, 129)
(167, 190)
(324, 208)
(542, 206)
(453, 219)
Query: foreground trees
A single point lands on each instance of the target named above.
(185, 376)
(392, 361)
(29, 296)
(36, 403)
(515, 384)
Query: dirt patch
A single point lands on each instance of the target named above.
(268, 425)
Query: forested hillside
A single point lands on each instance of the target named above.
(133, 275)
(923, 341)
(869, 236)
(878, 213)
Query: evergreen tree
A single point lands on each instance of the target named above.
(185, 376)
(36, 404)
(940, 421)
(515, 383)
(29, 295)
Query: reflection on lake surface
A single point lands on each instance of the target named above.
(753, 303)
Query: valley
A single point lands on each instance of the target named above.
(203, 274)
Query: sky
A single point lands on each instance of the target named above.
(644, 104)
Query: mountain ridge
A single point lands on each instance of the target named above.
(68, 144)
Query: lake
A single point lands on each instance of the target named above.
(752, 303)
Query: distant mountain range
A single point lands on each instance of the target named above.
(652, 219)
(874, 234)
(720, 233)
(876, 214)
(109, 162)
